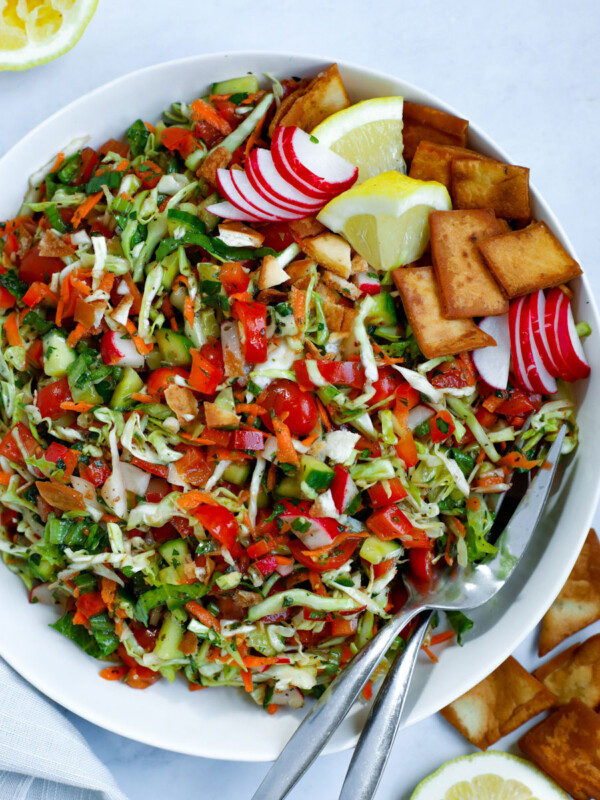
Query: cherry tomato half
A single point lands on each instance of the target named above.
(333, 560)
(392, 385)
(162, 377)
(35, 267)
(286, 399)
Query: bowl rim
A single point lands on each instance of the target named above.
(478, 673)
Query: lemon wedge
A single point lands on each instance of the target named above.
(368, 135)
(488, 776)
(35, 31)
(386, 219)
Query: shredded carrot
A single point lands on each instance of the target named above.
(516, 460)
(80, 408)
(122, 166)
(11, 329)
(284, 561)
(106, 283)
(250, 408)
(188, 311)
(142, 398)
(108, 592)
(76, 334)
(286, 452)
(5, 478)
(310, 439)
(59, 160)
(492, 402)
(142, 348)
(441, 637)
(206, 618)
(109, 518)
(173, 324)
(367, 692)
(316, 583)
(134, 292)
(224, 454)
(114, 673)
(474, 503)
(431, 655)
(84, 209)
(384, 356)
(336, 542)
(80, 286)
(194, 687)
(202, 112)
(323, 414)
(271, 477)
(196, 498)
(247, 679)
(259, 661)
(298, 303)
(480, 456)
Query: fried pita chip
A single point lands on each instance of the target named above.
(330, 251)
(287, 103)
(566, 746)
(62, 497)
(574, 673)
(467, 286)
(424, 122)
(432, 162)
(504, 188)
(323, 96)
(435, 334)
(504, 701)
(527, 260)
(578, 602)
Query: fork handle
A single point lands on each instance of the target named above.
(328, 712)
(376, 740)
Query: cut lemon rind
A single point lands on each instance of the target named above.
(492, 775)
(38, 39)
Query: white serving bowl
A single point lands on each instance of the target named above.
(223, 723)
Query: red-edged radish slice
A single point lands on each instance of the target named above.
(316, 164)
(115, 349)
(493, 363)
(228, 188)
(285, 169)
(538, 326)
(417, 415)
(265, 178)
(321, 531)
(537, 375)
(343, 489)
(514, 322)
(229, 211)
(257, 201)
(368, 284)
(568, 341)
(554, 300)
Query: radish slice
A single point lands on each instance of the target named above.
(538, 326)
(316, 164)
(368, 284)
(493, 363)
(417, 415)
(537, 375)
(285, 169)
(343, 489)
(265, 178)
(514, 322)
(257, 201)
(554, 300)
(568, 341)
(228, 188)
(321, 531)
(118, 351)
(229, 211)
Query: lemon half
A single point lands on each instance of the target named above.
(386, 219)
(35, 31)
(488, 776)
(368, 134)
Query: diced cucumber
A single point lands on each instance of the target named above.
(383, 310)
(208, 323)
(167, 643)
(208, 272)
(315, 474)
(248, 84)
(129, 383)
(87, 394)
(262, 501)
(288, 487)
(174, 347)
(229, 581)
(58, 356)
(44, 570)
(376, 551)
(224, 400)
(237, 473)
(176, 553)
(153, 360)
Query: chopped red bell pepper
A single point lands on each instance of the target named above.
(390, 523)
(221, 524)
(7, 300)
(154, 469)
(233, 277)
(90, 604)
(180, 139)
(249, 440)
(59, 453)
(253, 319)
(420, 560)
(379, 496)
(205, 376)
(96, 471)
(441, 426)
(9, 447)
(406, 449)
(36, 293)
(259, 549)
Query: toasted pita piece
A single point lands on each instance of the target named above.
(237, 234)
(62, 497)
(287, 102)
(502, 702)
(566, 745)
(218, 159)
(578, 602)
(432, 162)
(435, 334)
(330, 251)
(348, 321)
(359, 264)
(299, 272)
(424, 122)
(527, 260)
(467, 286)
(504, 188)
(574, 673)
(341, 285)
(182, 401)
(309, 226)
(271, 273)
(323, 96)
(334, 315)
(217, 417)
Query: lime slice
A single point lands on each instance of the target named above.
(386, 219)
(368, 134)
(488, 776)
(32, 33)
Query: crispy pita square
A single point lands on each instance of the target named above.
(424, 122)
(566, 746)
(432, 162)
(578, 602)
(435, 335)
(330, 251)
(467, 286)
(574, 673)
(489, 184)
(505, 700)
(323, 96)
(297, 91)
(527, 260)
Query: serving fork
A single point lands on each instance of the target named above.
(458, 589)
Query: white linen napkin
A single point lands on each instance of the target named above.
(42, 755)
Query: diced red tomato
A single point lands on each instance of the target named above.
(227, 110)
(212, 351)
(9, 447)
(184, 528)
(89, 162)
(338, 373)
(114, 146)
(90, 604)
(51, 396)
(406, 448)
(194, 467)
(149, 173)
(165, 533)
(383, 567)
(379, 496)
(9, 519)
(96, 471)
(390, 523)
(233, 277)
(157, 489)
(58, 452)
(34, 267)
(221, 524)
(519, 403)
(7, 300)
(162, 377)
(290, 403)
(259, 549)
(485, 418)
(180, 139)
(146, 637)
(420, 560)
(252, 317)
(321, 563)
(278, 235)
(392, 385)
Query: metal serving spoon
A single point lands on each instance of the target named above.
(454, 589)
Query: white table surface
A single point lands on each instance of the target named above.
(525, 70)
